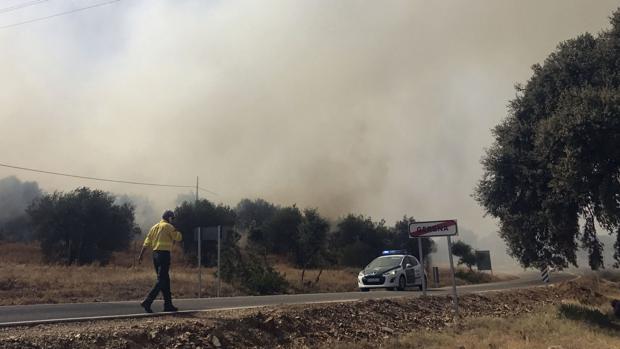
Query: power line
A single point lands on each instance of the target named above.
(59, 14)
(106, 179)
(22, 5)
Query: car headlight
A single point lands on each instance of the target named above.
(361, 274)
(390, 273)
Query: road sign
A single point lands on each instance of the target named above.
(483, 260)
(206, 233)
(214, 233)
(445, 228)
(433, 228)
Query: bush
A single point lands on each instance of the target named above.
(82, 226)
(358, 254)
(251, 272)
(263, 279)
(473, 277)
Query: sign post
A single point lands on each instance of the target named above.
(456, 298)
(483, 261)
(219, 239)
(199, 263)
(445, 228)
(422, 262)
(213, 233)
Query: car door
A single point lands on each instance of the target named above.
(418, 270)
(411, 270)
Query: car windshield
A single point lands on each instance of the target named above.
(383, 262)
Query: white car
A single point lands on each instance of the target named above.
(394, 269)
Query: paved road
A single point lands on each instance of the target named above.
(47, 313)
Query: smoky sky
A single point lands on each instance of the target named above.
(15, 197)
(378, 108)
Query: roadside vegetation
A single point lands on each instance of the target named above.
(26, 279)
(79, 246)
(579, 317)
(551, 327)
(570, 315)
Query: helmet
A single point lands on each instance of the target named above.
(167, 215)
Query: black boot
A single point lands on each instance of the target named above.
(147, 306)
(170, 307)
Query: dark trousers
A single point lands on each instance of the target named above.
(161, 261)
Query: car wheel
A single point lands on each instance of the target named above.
(402, 283)
(363, 289)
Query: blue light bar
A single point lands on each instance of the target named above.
(389, 252)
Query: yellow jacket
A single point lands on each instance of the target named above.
(161, 236)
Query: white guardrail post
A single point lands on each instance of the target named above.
(544, 274)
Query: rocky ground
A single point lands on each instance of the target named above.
(313, 326)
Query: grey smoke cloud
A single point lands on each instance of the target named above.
(379, 108)
(145, 214)
(15, 197)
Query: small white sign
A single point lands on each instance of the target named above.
(434, 228)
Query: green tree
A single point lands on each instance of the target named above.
(465, 253)
(402, 241)
(203, 213)
(281, 230)
(310, 245)
(81, 226)
(358, 240)
(556, 157)
(254, 213)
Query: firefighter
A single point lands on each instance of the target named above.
(161, 239)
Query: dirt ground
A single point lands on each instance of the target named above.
(374, 322)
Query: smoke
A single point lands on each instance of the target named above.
(15, 197)
(500, 260)
(145, 215)
(377, 108)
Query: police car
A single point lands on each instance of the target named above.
(394, 269)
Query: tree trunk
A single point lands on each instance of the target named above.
(316, 281)
(303, 272)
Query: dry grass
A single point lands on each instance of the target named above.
(549, 328)
(33, 284)
(330, 280)
(445, 277)
(585, 320)
(25, 279)
(545, 329)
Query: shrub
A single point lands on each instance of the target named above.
(82, 226)
(473, 277)
(251, 272)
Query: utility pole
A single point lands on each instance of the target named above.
(196, 190)
(199, 247)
